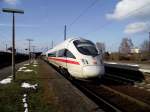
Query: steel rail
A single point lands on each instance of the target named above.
(119, 78)
(100, 99)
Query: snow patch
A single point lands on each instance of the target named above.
(24, 69)
(142, 83)
(25, 104)
(6, 81)
(112, 63)
(26, 64)
(24, 100)
(28, 70)
(133, 65)
(141, 87)
(145, 70)
(27, 85)
(148, 89)
(26, 110)
(135, 86)
(21, 69)
(148, 84)
(10, 76)
(25, 95)
(35, 62)
(35, 65)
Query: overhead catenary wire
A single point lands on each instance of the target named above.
(109, 23)
(82, 13)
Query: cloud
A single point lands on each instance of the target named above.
(12, 2)
(130, 8)
(137, 27)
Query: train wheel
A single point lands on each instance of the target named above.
(60, 70)
(70, 77)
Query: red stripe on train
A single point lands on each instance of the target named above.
(64, 60)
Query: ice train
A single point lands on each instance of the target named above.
(77, 56)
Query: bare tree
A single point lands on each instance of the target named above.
(145, 46)
(101, 47)
(145, 50)
(125, 46)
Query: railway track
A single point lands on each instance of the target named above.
(103, 103)
(108, 95)
(132, 74)
(114, 100)
(114, 94)
(119, 79)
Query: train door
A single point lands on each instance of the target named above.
(61, 58)
(65, 56)
(71, 63)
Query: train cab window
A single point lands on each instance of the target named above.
(69, 54)
(61, 53)
(86, 47)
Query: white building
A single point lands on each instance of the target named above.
(135, 50)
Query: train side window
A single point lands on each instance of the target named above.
(49, 54)
(61, 53)
(53, 54)
(69, 54)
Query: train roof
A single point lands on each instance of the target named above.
(64, 43)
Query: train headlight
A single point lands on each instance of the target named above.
(84, 61)
(94, 61)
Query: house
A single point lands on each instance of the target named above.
(135, 50)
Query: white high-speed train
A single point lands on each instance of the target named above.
(79, 57)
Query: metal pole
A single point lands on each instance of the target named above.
(6, 47)
(149, 42)
(13, 47)
(33, 53)
(13, 11)
(52, 44)
(65, 32)
(29, 49)
(33, 48)
(149, 46)
(29, 53)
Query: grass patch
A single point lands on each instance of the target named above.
(11, 98)
(11, 94)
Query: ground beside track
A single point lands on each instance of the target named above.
(66, 97)
(53, 93)
(56, 94)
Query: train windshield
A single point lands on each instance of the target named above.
(86, 47)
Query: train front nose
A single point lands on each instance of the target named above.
(93, 71)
